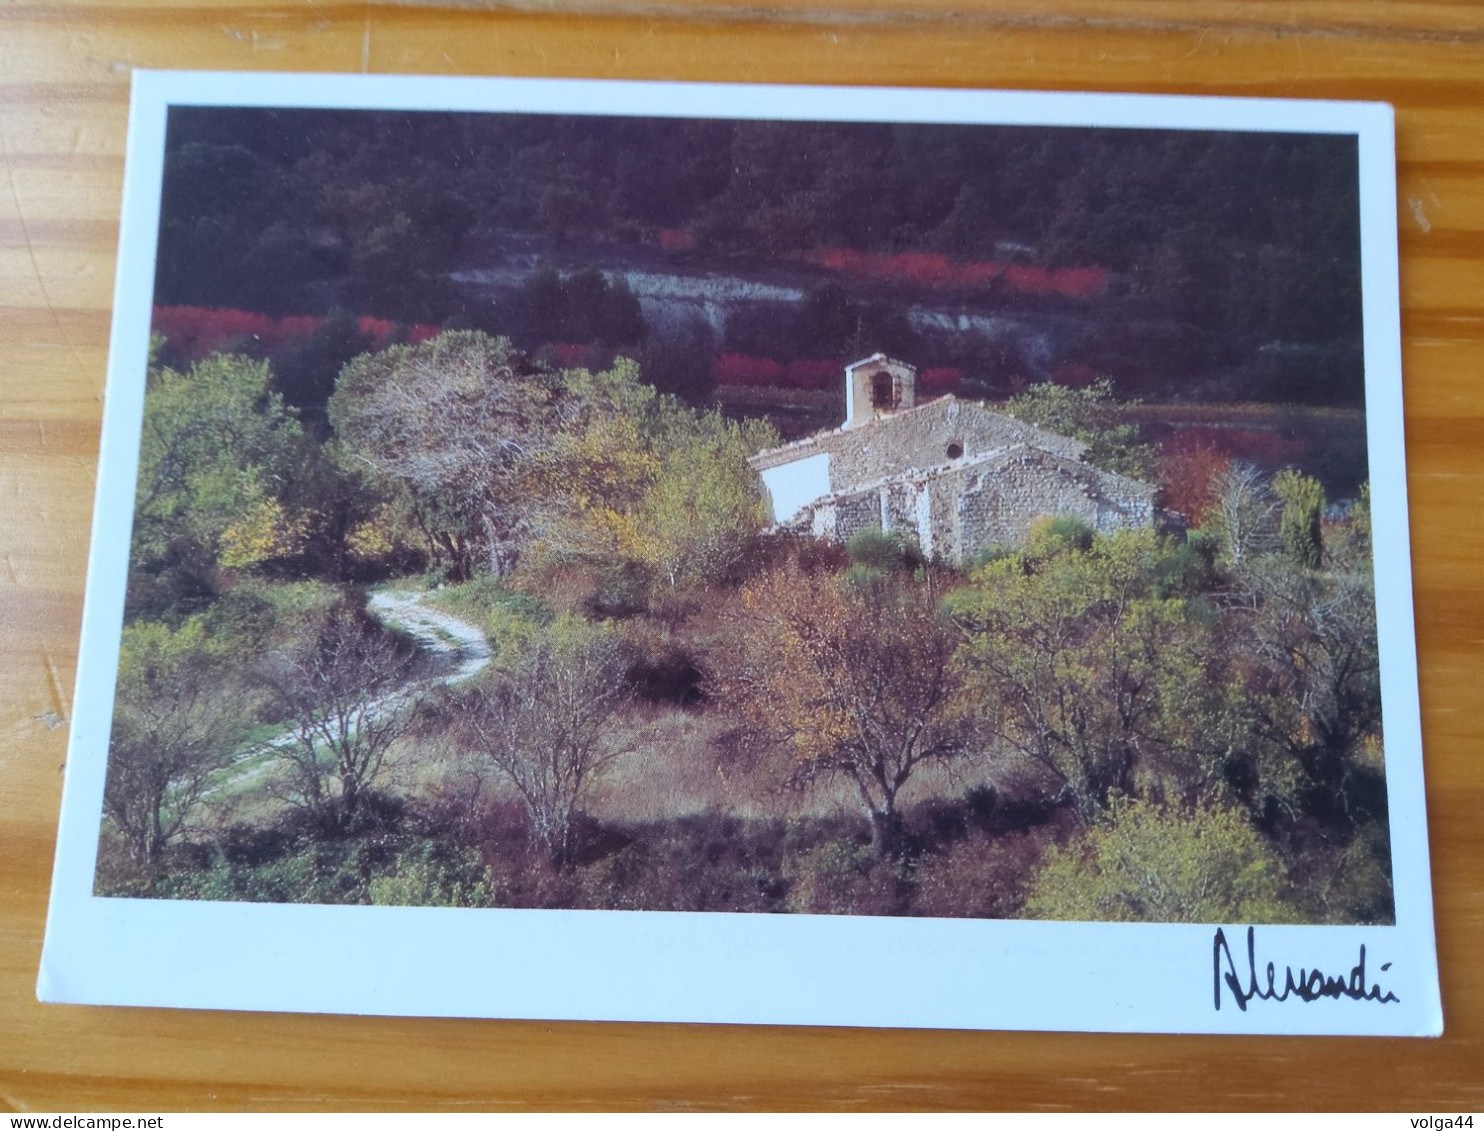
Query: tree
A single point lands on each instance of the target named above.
(876, 556)
(620, 320)
(1245, 514)
(703, 508)
(851, 681)
(1301, 622)
(569, 210)
(585, 306)
(1303, 632)
(1086, 663)
(394, 272)
(1303, 505)
(1360, 517)
(542, 305)
(174, 725)
(1313, 637)
(1188, 471)
(340, 689)
(1089, 414)
(235, 229)
(459, 427)
(1146, 864)
(542, 719)
(635, 475)
(582, 499)
(826, 323)
(216, 456)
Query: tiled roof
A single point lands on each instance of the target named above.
(812, 445)
(987, 461)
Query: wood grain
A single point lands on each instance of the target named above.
(64, 70)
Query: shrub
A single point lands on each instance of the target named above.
(979, 877)
(1145, 863)
(874, 550)
(541, 719)
(1051, 536)
(812, 374)
(314, 872)
(432, 875)
(621, 589)
(740, 369)
(940, 380)
(1299, 528)
(1188, 466)
(663, 670)
(1346, 879)
(829, 871)
(584, 585)
(706, 862)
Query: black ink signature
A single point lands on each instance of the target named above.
(1306, 985)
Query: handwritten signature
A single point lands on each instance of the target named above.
(1306, 985)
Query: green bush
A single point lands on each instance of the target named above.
(871, 549)
(1303, 506)
(486, 595)
(621, 589)
(316, 873)
(1148, 864)
(1186, 568)
(432, 875)
(254, 612)
(279, 866)
(1058, 534)
(1347, 879)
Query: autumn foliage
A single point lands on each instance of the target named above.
(1189, 466)
(680, 709)
(193, 332)
(934, 270)
(851, 673)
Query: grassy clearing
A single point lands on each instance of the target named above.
(486, 603)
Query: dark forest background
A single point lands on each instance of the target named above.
(1203, 265)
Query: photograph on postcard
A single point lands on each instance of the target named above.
(569, 511)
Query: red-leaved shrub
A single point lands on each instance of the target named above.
(193, 332)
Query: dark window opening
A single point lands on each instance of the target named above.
(882, 392)
(955, 450)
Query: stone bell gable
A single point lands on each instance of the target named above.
(956, 474)
(877, 385)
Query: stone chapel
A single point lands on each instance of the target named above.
(953, 473)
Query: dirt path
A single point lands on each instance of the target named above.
(436, 632)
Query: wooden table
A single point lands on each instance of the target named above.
(64, 72)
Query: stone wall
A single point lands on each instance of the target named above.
(957, 511)
(999, 502)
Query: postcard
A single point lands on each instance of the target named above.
(750, 554)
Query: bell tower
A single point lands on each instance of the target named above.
(878, 385)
